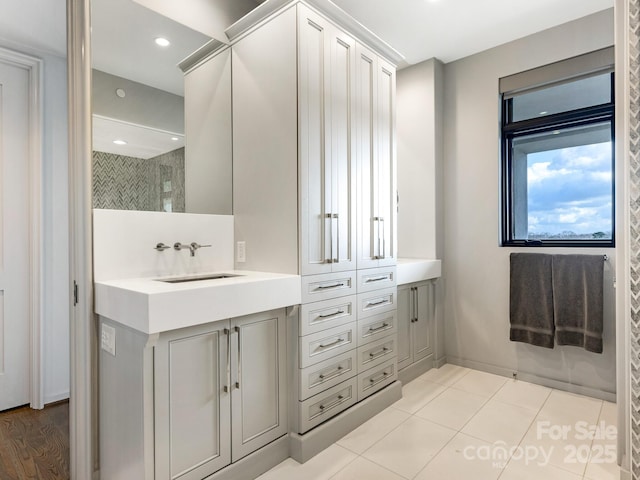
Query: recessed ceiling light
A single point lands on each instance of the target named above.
(119, 142)
(556, 132)
(544, 112)
(163, 42)
(175, 139)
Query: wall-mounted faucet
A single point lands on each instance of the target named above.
(193, 246)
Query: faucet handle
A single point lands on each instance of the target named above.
(161, 247)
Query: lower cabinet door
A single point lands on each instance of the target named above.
(405, 317)
(258, 381)
(192, 402)
(422, 334)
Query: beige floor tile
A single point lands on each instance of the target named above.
(363, 469)
(564, 408)
(417, 394)
(447, 374)
(408, 448)
(603, 460)
(523, 394)
(500, 422)
(373, 430)
(563, 449)
(521, 470)
(480, 383)
(321, 467)
(453, 408)
(463, 458)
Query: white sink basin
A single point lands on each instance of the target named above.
(155, 305)
(196, 278)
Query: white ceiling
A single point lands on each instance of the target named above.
(420, 29)
(453, 29)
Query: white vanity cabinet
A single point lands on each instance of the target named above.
(377, 192)
(208, 395)
(416, 322)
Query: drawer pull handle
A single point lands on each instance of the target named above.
(379, 353)
(379, 302)
(376, 279)
(332, 344)
(329, 315)
(330, 375)
(373, 381)
(324, 408)
(381, 327)
(334, 285)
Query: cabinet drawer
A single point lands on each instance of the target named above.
(377, 352)
(377, 378)
(320, 346)
(329, 285)
(318, 316)
(376, 327)
(317, 378)
(376, 278)
(321, 407)
(378, 301)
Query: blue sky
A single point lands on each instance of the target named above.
(570, 190)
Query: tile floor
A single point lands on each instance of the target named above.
(454, 423)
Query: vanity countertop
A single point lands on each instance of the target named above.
(412, 270)
(152, 306)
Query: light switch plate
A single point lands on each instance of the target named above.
(241, 254)
(108, 339)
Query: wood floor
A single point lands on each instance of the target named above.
(34, 444)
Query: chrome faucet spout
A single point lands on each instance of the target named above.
(195, 246)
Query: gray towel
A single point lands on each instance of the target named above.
(531, 299)
(578, 300)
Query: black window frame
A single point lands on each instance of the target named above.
(511, 130)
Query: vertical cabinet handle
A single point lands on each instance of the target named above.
(227, 332)
(237, 329)
(382, 248)
(336, 259)
(328, 216)
(416, 314)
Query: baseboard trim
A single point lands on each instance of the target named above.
(49, 399)
(304, 447)
(416, 369)
(439, 362)
(533, 378)
(256, 463)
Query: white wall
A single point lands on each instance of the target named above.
(55, 223)
(419, 101)
(475, 268)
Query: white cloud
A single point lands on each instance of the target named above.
(539, 171)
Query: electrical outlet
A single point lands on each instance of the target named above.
(108, 339)
(241, 252)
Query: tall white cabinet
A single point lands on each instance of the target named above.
(315, 195)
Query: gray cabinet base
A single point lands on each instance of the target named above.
(416, 369)
(304, 447)
(256, 463)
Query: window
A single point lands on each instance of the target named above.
(557, 156)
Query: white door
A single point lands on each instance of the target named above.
(14, 236)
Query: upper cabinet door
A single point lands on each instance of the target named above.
(314, 142)
(343, 154)
(376, 160)
(326, 81)
(386, 163)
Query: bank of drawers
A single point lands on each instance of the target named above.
(347, 343)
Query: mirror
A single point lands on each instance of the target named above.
(138, 92)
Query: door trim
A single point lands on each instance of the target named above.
(33, 66)
(83, 415)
